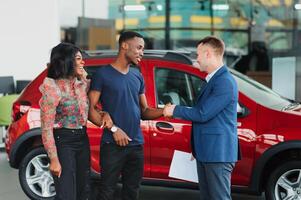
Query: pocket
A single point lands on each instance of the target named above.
(105, 145)
(138, 147)
(228, 168)
(57, 138)
(109, 148)
(64, 137)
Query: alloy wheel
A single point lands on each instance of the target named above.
(288, 186)
(38, 176)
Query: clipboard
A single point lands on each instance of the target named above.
(182, 167)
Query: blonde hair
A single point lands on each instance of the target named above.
(215, 43)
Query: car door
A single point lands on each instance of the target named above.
(177, 85)
(246, 130)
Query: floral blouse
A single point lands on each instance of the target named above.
(64, 104)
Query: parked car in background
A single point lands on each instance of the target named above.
(269, 130)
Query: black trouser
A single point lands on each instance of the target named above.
(125, 161)
(74, 155)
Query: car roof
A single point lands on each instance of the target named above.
(184, 57)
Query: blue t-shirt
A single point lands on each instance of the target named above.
(120, 98)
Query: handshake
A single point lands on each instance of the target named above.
(168, 110)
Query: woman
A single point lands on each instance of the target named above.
(64, 110)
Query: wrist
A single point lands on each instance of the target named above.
(54, 159)
(161, 111)
(114, 129)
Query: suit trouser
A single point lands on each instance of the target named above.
(215, 180)
(125, 161)
(74, 155)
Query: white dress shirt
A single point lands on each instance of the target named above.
(209, 76)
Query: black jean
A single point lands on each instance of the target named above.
(74, 155)
(125, 161)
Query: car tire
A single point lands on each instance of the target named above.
(34, 175)
(285, 182)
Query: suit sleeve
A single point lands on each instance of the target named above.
(220, 96)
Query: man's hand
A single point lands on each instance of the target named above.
(192, 157)
(121, 138)
(55, 167)
(168, 110)
(106, 120)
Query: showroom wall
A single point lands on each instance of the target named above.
(70, 10)
(29, 29)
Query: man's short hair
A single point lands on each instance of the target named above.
(214, 42)
(127, 35)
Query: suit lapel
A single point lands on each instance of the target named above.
(211, 81)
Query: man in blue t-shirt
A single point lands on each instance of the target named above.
(120, 90)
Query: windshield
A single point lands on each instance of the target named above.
(259, 93)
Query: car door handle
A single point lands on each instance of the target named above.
(164, 126)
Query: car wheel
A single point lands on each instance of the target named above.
(34, 175)
(285, 182)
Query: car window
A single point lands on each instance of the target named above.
(196, 84)
(176, 87)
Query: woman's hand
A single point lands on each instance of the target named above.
(55, 167)
(106, 120)
(82, 74)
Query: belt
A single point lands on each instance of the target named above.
(81, 130)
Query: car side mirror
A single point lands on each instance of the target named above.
(242, 111)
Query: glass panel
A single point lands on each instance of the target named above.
(259, 93)
(197, 84)
(186, 39)
(171, 87)
(255, 31)
(177, 87)
(235, 41)
(280, 40)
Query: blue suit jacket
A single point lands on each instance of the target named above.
(214, 119)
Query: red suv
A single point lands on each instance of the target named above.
(269, 129)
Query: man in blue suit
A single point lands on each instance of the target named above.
(214, 138)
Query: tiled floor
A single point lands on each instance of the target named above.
(10, 188)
